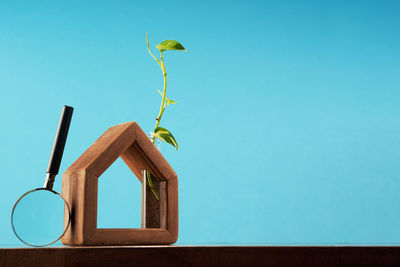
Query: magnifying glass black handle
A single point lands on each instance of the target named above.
(58, 146)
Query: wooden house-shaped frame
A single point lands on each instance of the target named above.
(80, 188)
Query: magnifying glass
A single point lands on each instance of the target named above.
(37, 217)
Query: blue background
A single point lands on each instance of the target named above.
(287, 117)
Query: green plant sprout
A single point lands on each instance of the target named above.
(159, 132)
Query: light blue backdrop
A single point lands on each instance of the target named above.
(287, 118)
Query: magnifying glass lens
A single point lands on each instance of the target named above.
(38, 217)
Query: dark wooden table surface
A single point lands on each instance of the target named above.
(202, 256)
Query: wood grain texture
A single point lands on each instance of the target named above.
(163, 204)
(79, 189)
(165, 256)
(105, 150)
(80, 185)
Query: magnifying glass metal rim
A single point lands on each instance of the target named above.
(66, 227)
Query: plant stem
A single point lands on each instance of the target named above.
(158, 119)
(148, 49)
(162, 107)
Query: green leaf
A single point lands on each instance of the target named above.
(170, 101)
(167, 100)
(170, 45)
(150, 183)
(165, 135)
(149, 180)
(155, 193)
